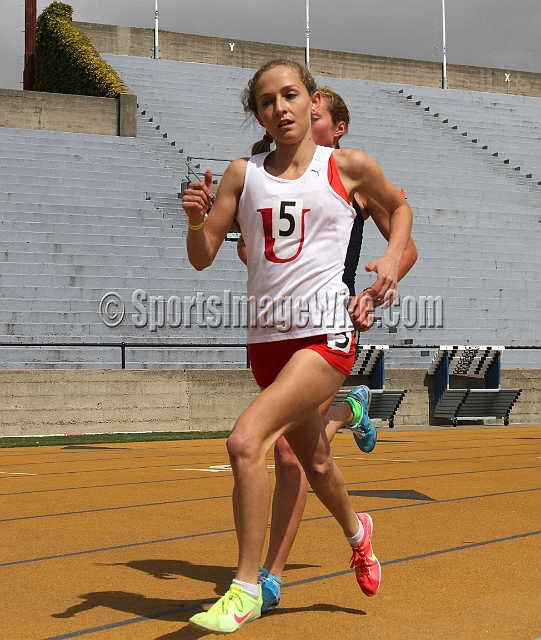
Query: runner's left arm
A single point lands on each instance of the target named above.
(361, 173)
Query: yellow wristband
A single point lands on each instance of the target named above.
(195, 227)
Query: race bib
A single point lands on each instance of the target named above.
(340, 341)
(286, 219)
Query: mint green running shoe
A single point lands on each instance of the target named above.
(270, 589)
(363, 429)
(232, 611)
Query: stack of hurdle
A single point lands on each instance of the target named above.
(490, 403)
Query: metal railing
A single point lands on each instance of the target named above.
(127, 345)
(122, 346)
(191, 168)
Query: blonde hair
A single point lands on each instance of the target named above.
(248, 96)
(335, 105)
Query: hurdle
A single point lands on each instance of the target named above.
(490, 403)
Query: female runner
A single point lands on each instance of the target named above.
(294, 213)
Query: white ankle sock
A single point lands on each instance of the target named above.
(355, 541)
(250, 589)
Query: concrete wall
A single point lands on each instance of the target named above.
(528, 407)
(132, 41)
(86, 401)
(72, 113)
(89, 401)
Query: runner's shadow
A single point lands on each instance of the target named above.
(170, 569)
(321, 606)
(189, 633)
(136, 604)
(176, 611)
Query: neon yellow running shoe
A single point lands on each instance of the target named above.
(230, 612)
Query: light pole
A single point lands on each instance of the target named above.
(156, 16)
(307, 58)
(444, 64)
(30, 45)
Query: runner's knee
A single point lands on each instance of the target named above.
(284, 457)
(319, 471)
(243, 446)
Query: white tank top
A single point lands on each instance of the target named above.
(296, 234)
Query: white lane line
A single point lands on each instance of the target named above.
(370, 459)
(216, 468)
(13, 473)
(207, 470)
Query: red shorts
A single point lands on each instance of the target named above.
(267, 359)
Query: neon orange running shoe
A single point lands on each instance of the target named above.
(366, 565)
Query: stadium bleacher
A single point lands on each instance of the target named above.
(77, 223)
(83, 216)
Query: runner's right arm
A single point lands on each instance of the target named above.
(205, 239)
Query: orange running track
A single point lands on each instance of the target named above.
(128, 541)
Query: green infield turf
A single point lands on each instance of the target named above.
(101, 438)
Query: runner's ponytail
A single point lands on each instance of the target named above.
(263, 145)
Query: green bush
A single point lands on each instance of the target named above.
(67, 61)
